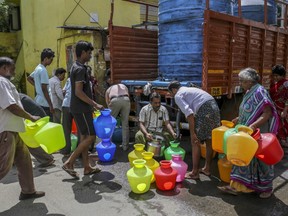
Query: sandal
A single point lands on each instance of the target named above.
(93, 171)
(189, 175)
(265, 195)
(71, 172)
(204, 172)
(229, 190)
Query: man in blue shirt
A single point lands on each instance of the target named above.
(40, 80)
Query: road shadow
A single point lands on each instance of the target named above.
(91, 188)
(27, 207)
(142, 197)
(12, 175)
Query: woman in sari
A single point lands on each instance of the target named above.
(256, 111)
(279, 94)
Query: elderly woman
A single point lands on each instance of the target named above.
(279, 94)
(256, 111)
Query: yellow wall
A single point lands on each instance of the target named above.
(8, 42)
(10, 47)
(40, 19)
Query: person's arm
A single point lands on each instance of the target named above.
(170, 129)
(82, 96)
(235, 120)
(31, 80)
(47, 97)
(59, 91)
(191, 122)
(145, 132)
(18, 111)
(267, 113)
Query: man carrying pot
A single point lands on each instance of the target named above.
(12, 148)
(151, 119)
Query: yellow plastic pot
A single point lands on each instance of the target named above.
(31, 129)
(136, 153)
(51, 137)
(241, 147)
(151, 163)
(139, 177)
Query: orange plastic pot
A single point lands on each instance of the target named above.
(218, 135)
(203, 151)
(224, 167)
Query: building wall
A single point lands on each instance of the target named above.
(8, 43)
(40, 19)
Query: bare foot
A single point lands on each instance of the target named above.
(191, 175)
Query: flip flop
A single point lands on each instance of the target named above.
(93, 171)
(71, 172)
(229, 190)
(204, 172)
(265, 195)
(189, 176)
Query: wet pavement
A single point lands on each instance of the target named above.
(108, 193)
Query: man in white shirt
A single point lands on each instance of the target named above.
(56, 92)
(203, 115)
(40, 80)
(12, 148)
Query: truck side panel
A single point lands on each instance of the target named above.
(231, 44)
(134, 54)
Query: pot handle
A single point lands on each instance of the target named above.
(245, 129)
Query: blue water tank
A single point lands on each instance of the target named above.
(254, 10)
(180, 41)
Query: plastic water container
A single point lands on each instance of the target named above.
(139, 177)
(151, 163)
(51, 137)
(178, 164)
(218, 135)
(241, 147)
(74, 140)
(74, 129)
(106, 150)
(31, 129)
(136, 153)
(174, 148)
(203, 151)
(165, 176)
(104, 124)
(224, 167)
(269, 150)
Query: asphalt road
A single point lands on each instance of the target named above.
(108, 193)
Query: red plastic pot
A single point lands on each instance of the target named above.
(165, 176)
(269, 150)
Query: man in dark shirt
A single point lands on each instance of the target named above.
(81, 107)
